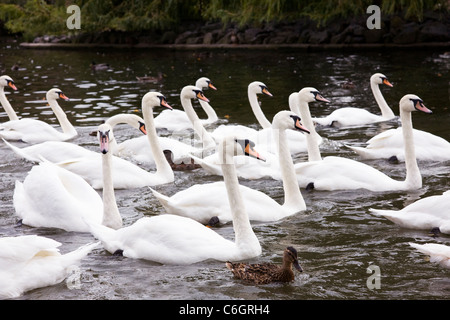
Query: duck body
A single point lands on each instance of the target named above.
(31, 262)
(267, 273)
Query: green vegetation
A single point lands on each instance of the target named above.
(38, 17)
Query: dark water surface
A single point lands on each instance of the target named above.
(336, 237)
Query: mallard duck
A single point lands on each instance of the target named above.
(151, 79)
(99, 66)
(180, 166)
(266, 273)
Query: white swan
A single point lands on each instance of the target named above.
(138, 148)
(60, 151)
(30, 262)
(172, 239)
(204, 201)
(177, 120)
(36, 131)
(336, 173)
(349, 116)
(439, 253)
(54, 197)
(126, 174)
(389, 143)
(254, 88)
(424, 214)
(7, 81)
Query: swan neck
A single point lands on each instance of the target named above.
(162, 166)
(111, 214)
(7, 106)
(262, 120)
(311, 138)
(386, 111)
(65, 124)
(413, 176)
(204, 136)
(210, 112)
(292, 195)
(244, 234)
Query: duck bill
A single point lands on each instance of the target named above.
(386, 82)
(421, 107)
(298, 267)
(12, 85)
(253, 153)
(300, 127)
(201, 96)
(266, 92)
(63, 96)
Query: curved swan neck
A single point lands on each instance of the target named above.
(210, 112)
(204, 136)
(162, 166)
(244, 234)
(253, 99)
(413, 176)
(386, 112)
(7, 106)
(292, 195)
(65, 124)
(311, 139)
(111, 214)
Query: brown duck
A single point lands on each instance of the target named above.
(266, 273)
(180, 166)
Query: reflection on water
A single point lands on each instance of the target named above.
(337, 238)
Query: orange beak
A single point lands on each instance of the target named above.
(386, 82)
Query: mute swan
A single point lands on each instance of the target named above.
(254, 88)
(54, 197)
(424, 214)
(59, 151)
(389, 143)
(172, 239)
(30, 262)
(438, 253)
(178, 120)
(126, 174)
(35, 131)
(266, 272)
(138, 148)
(349, 116)
(7, 81)
(204, 201)
(336, 173)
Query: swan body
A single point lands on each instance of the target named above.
(126, 174)
(138, 148)
(178, 120)
(36, 131)
(439, 253)
(424, 214)
(336, 173)
(7, 81)
(389, 143)
(54, 197)
(172, 239)
(349, 116)
(202, 202)
(60, 151)
(30, 262)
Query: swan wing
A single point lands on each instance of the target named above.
(31, 131)
(438, 253)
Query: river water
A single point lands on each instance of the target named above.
(336, 237)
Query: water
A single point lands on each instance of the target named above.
(336, 237)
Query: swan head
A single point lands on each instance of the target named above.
(232, 146)
(411, 102)
(290, 256)
(7, 81)
(105, 136)
(258, 87)
(204, 82)
(193, 92)
(155, 99)
(379, 78)
(310, 94)
(56, 93)
(288, 120)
